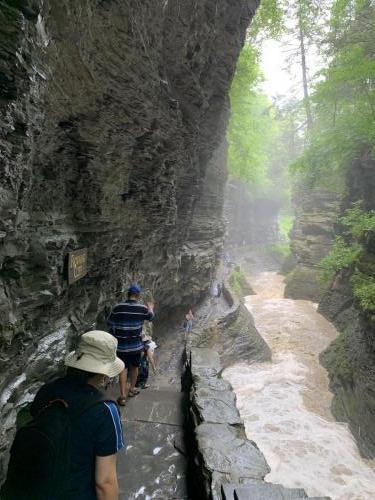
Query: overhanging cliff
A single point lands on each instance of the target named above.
(113, 117)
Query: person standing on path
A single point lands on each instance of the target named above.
(125, 323)
(83, 427)
(189, 322)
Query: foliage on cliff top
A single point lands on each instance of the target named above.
(364, 290)
(343, 100)
(357, 222)
(348, 252)
(342, 255)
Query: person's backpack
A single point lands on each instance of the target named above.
(39, 465)
(143, 371)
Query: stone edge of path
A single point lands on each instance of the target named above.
(231, 465)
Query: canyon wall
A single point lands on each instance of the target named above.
(350, 359)
(113, 117)
(316, 211)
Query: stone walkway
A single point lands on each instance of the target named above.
(154, 465)
(155, 462)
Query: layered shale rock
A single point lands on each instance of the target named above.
(350, 359)
(112, 118)
(233, 335)
(311, 239)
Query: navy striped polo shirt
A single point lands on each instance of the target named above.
(126, 322)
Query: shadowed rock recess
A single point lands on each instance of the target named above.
(113, 116)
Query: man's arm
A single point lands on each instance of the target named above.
(150, 311)
(106, 478)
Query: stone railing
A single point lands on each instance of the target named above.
(225, 455)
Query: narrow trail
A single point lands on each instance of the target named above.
(286, 404)
(154, 465)
(155, 462)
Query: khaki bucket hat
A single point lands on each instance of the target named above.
(96, 353)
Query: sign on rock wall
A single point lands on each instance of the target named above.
(77, 265)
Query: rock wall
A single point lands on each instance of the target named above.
(316, 211)
(233, 335)
(113, 117)
(350, 359)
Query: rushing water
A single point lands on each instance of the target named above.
(286, 404)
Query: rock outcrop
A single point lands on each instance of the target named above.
(113, 117)
(350, 359)
(312, 236)
(233, 335)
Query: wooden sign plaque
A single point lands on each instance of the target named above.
(77, 265)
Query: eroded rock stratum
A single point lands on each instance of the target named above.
(98, 99)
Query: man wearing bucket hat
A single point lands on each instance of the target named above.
(72, 410)
(126, 323)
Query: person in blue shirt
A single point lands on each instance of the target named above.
(125, 323)
(96, 432)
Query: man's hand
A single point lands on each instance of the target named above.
(150, 306)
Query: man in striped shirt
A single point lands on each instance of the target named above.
(125, 323)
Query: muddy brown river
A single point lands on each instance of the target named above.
(286, 404)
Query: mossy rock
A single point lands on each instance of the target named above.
(239, 284)
(303, 283)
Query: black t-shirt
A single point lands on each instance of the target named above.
(96, 432)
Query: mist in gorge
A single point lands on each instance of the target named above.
(210, 165)
(300, 212)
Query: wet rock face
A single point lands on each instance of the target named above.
(311, 239)
(233, 336)
(350, 359)
(113, 116)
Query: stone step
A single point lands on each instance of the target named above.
(159, 407)
(154, 465)
(258, 490)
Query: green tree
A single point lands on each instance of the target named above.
(252, 125)
(344, 98)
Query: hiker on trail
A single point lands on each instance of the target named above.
(189, 321)
(214, 291)
(147, 359)
(126, 322)
(150, 347)
(68, 449)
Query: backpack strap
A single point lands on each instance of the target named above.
(87, 403)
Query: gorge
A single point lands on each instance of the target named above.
(137, 132)
(113, 116)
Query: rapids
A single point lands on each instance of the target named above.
(286, 404)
